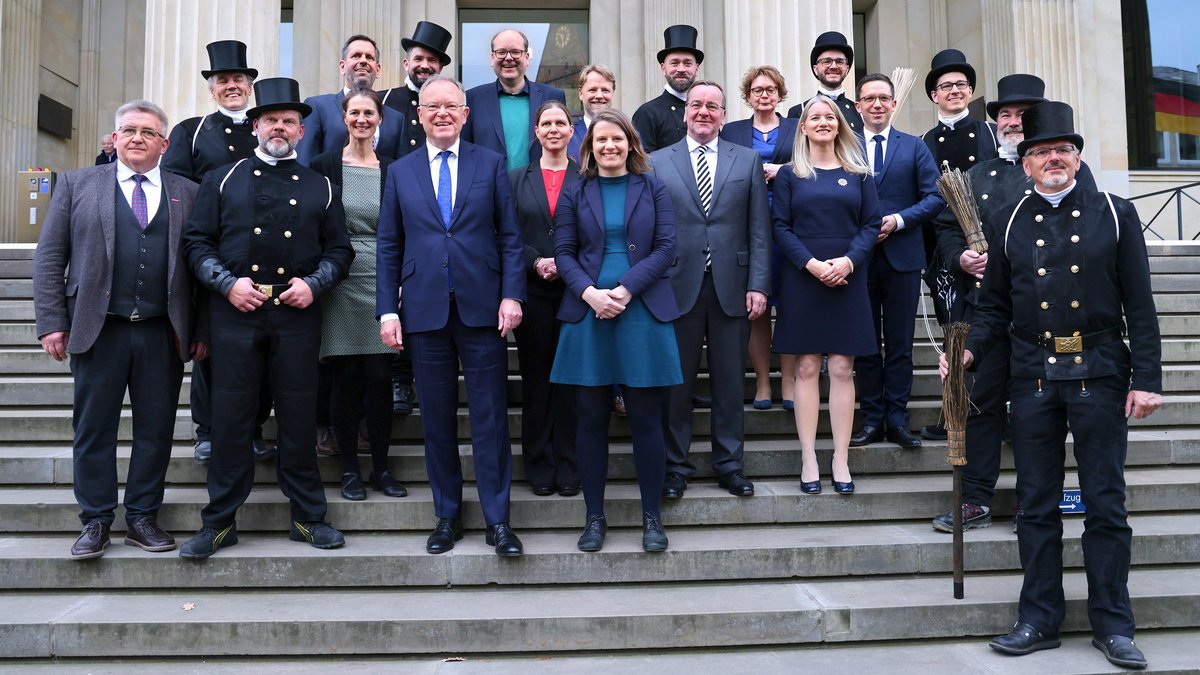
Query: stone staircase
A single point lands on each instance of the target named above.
(773, 583)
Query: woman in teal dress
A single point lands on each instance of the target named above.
(614, 240)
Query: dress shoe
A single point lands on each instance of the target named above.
(507, 544)
(674, 486)
(542, 490)
(974, 517)
(868, 435)
(1024, 639)
(569, 490)
(654, 539)
(593, 535)
(208, 540)
(445, 533)
(390, 487)
(903, 438)
(353, 488)
(203, 452)
(1121, 651)
(788, 404)
(318, 533)
(846, 488)
(402, 398)
(761, 404)
(934, 432)
(148, 536)
(91, 542)
(263, 450)
(326, 444)
(701, 401)
(737, 484)
(812, 487)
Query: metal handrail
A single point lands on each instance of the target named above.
(1177, 194)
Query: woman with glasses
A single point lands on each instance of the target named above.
(826, 218)
(771, 135)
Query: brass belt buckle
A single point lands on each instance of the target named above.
(266, 289)
(1068, 345)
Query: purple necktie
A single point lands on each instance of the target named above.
(139, 201)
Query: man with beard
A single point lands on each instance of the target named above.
(998, 184)
(831, 58)
(325, 128)
(1068, 278)
(267, 237)
(597, 86)
(659, 121)
(199, 145)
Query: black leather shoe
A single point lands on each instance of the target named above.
(701, 401)
(867, 436)
(1024, 639)
(402, 398)
(203, 452)
(353, 488)
(841, 488)
(1121, 651)
(674, 486)
(737, 484)
(811, 487)
(593, 535)
(445, 533)
(569, 490)
(148, 536)
(208, 540)
(654, 539)
(318, 533)
(542, 490)
(507, 544)
(263, 450)
(903, 438)
(934, 432)
(390, 487)
(91, 542)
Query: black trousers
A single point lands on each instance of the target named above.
(884, 379)
(547, 410)
(361, 390)
(201, 401)
(1094, 411)
(644, 405)
(281, 343)
(140, 356)
(987, 387)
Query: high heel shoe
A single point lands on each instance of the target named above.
(811, 487)
(841, 488)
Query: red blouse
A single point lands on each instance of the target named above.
(553, 181)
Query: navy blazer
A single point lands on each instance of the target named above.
(742, 133)
(484, 126)
(481, 249)
(907, 184)
(325, 129)
(580, 130)
(649, 238)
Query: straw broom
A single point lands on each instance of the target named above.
(955, 187)
(902, 81)
(956, 407)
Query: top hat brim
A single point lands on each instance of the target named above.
(932, 78)
(993, 107)
(251, 72)
(408, 43)
(303, 108)
(1028, 143)
(662, 53)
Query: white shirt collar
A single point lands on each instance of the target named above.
(272, 160)
(411, 85)
(692, 144)
(238, 116)
(886, 132)
(951, 121)
(124, 173)
(434, 151)
(1008, 156)
(1056, 198)
(831, 93)
(669, 90)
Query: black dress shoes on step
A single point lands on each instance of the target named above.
(208, 540)
(569, 490)
(737, 484)
(91, 542)
(445, 533)
(934, 432)
(148, 536)
(402, 398)
(811, 487)
(593, 535)
(674, 486)
(1024, 639)
(654, 539)
(542, 490)
(867, 436)
(318, 533)
(903, 438)
(353, 488)
(383, 482)
(507, 544)
(1121, 651)
(841, 488)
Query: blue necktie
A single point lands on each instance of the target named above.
(878, 140)
(445, 196)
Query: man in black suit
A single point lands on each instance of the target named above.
(659, 121)
(831, 59)
(113, 291)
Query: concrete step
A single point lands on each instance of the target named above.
(269, 560)
(878, 498)
(595, 617)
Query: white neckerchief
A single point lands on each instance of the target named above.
(831, 93)
(1008, 156)
(1056, 198)
(669, 90)
(272, 160)
(951, 121)
(238, 116)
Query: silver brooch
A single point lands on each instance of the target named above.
(842, 182)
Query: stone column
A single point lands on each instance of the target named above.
(908, 34)
(20, 32)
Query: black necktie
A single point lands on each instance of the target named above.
(878, 165)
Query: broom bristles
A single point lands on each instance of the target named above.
(955, 404)
(955, 188)
(902, 81)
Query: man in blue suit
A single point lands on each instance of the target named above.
(449, 237)
(906, 178)
(503, 110)
(325, 128)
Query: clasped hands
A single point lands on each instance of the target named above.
(832, 272)
(247, 298)
(607, 303)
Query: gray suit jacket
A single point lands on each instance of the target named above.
(73, 264)
(738, 231)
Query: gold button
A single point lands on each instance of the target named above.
(1041, 271)
(295, 177)
(1074, 304)
(292, 202)
(971, 158)
(228, 130)
(984, 196)
(1051, 360)
(1078, 359)
(287, 234)
(258, 230)
(1041, 243)
(1074, 269)
(1038, 218)
(257, 172)
(279, 270)
(1045, 305)
(254, 268)
(277, 301)
(1075, 213)
(1048, 335)
(993, 173)
(1074, 239)
(941, 139)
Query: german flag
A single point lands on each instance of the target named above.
(1176, 107)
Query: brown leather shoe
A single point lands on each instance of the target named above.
(326, 444)
(148, 536)
(91, 542)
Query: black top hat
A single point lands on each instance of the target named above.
(430, 36)
(1048, 121)
(947, 61)
(227, 56)
(831, 40)
(681, 38)
(1019, 88)
(277, 93)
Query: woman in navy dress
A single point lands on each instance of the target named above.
(826, 218)
(772, 136)
(614, 240)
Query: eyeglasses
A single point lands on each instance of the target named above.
(759, 91)
(695, 106)
(1043, 153)
(947, 87)
(507, 53)
(826, 62)
(146, 134)
(435, 108)
(872, 100)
